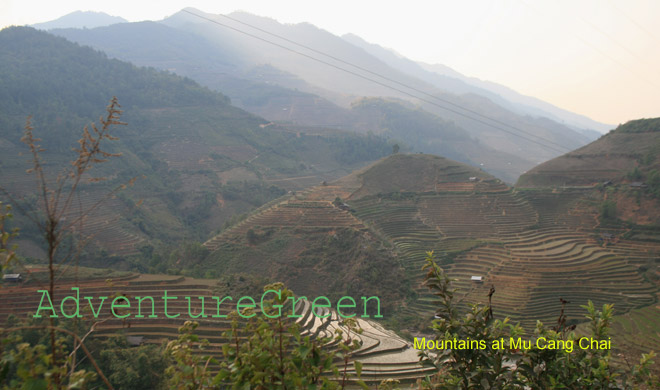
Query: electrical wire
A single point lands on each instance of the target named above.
(559, 148)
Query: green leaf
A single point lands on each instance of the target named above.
(35, 384)
(3, 372)
(358, 367)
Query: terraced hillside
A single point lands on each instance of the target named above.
(606, 196)
(533, 246)
(313, 244)
(383, 353)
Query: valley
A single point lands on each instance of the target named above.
(236, 166)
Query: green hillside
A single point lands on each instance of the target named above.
(201, 162)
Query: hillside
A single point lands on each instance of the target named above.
(635, 144)
(621, 167)
(313, 243)
(418, 173)
(533, 246)
(202, 161)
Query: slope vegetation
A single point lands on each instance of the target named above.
(201, 161)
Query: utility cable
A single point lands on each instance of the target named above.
(394, 88)
(389, 79)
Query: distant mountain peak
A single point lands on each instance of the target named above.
(81, 19)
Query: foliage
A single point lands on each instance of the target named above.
(271, 353)
(7, 251)
(132, 368)
(33, 367)
(639, 126)
(28, 362)
(608, 209)
(510, 367)
(468, 368)
(189, 370)
(581, 368)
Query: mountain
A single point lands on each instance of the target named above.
(374, 227)
(216, 65)
(330, 78)
(292, 89)
(154, 44)
(81, 19)
(203, 162)
(452, 81)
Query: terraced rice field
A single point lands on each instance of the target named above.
(532, 255)
(533, 247)
(383, 353)
(309, 209)
(102, 224)
(532, 271)
(636, 332)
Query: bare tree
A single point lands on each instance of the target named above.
(56, 195)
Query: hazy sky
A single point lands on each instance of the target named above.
(599, 58)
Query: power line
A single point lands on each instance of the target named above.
(386, 85)
(602, 53)
(639, 26)
(390, 80)
(611, 38)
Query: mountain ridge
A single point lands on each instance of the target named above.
(81, 19)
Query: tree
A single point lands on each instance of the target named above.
(502, 362)
(56, 197)
(478, 366)
(608, 209)
(267, 353)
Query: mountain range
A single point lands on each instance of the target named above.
(203, 162)
(255, 165)
(301, 75)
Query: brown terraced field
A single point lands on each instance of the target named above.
(383, 353)
(533, 246)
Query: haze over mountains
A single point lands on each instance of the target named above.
(257, 164)
(81, 19)
(506, 133)
(186, 141)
